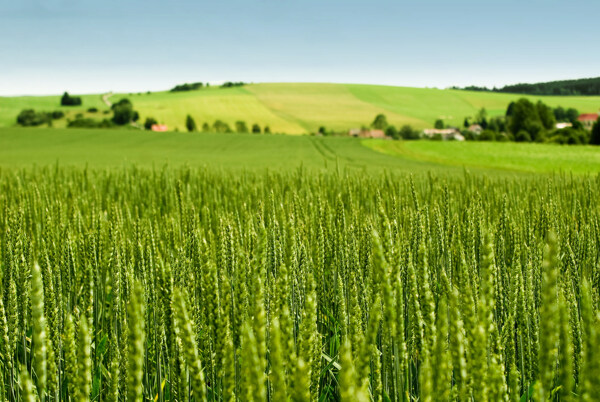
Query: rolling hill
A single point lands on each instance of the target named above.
(297, 108)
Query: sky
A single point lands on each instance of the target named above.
(84, 46)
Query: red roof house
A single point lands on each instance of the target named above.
(159, 127)
(588, 119)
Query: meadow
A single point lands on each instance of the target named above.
(299, 108)
(109, 148)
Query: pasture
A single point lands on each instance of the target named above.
(298, 108)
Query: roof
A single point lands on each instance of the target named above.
(159, 127)
(588, 117)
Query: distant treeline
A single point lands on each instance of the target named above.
(584, 86)
(187, 87)
(198, 85)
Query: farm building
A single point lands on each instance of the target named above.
(588, 119)
(366, 133)
(446, 134)
(475, 128)
(159, 127)
(563, 125)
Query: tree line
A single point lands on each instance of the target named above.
(584, 86)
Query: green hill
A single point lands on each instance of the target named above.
(296, 108)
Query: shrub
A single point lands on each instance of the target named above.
(185, 87)
(487, 135)
(267, 130)
(92, 110)
(408, 133)
(205, 127)
(240, 126)
(221, 127)
(439, 124)
(150, 121)
(256, 128)
(392, 132)
(30, 117)
(523, 136)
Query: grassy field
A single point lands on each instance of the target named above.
(508, 156)
(299, 108)
(21, 147)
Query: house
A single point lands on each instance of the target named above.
(366, 133)
(475, 128)
(446, 134)
(159, 127)
(588, 119)
(560, 126)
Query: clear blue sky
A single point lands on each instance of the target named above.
(48, 46)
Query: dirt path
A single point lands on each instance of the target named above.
(105, 99)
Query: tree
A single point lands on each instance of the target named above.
(256, 128)
(481, 116)
(30, 117)
(123, 112)
(380, 122)
(221, 127)
(205, 127)
(322, 130)
(240, 126)
(267, 130)
(546, 115)
(439, 124)
(408, 133)
(522, 117)
(150, 121)
(68, 100)
(595, 138)
(392, 132)
(466, 123)
(571, 115)
(190, 124)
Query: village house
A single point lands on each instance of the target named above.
(159, 127)
(446, 134)
(366, 133)
(560, 126)
(588, 119)
(475, 128)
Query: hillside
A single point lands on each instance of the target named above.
(296, 108)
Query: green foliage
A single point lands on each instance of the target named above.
(439, 124)
(190, 124)
(595, 136)
(186, 87)
(380, 122)
(392, 132)
(221, 127)
(68, 100)
(123, 112)
(408, 133)
(241, 127)
(29, 117)
(255, 129)
(150, 121)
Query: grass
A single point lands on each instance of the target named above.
(508, 156)
(295, 108)
(20, 147)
